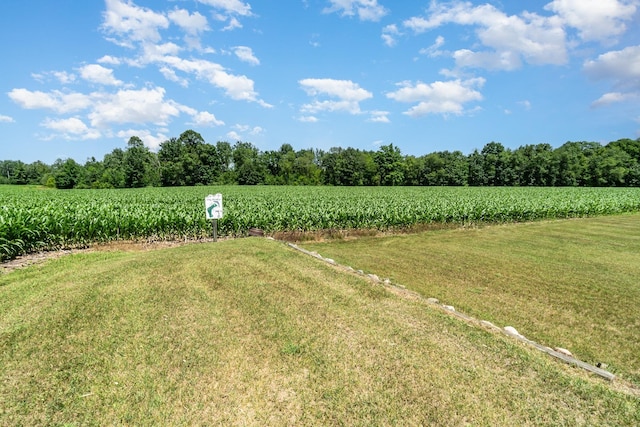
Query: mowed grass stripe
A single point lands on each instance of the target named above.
(250, 332)
(567, 283)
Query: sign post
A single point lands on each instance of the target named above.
(213, 209)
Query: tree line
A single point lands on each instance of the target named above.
(189, 160)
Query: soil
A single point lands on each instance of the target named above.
(127, 246)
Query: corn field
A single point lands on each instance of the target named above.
(33, 219)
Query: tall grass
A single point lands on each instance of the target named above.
(32, 219)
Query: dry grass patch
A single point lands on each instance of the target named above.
(250, 332)
(568, 283)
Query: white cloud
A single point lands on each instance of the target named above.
(434, 50)
(233, 24)
(140, 26)
(595, 20)
(205, 118)
(511, 39)
(64, 77)
(230, 6)
(108, 59)
(389, 34)
(622, 67)
(98, 74)
(149, 140)
(133, 23)
(614, 97)
(192, 24)
(234, 136)
(57, 101)
(349, 95)
(525, 104)
(438, 97)
(238, 87)
(71, 128)
(308, 119)
(134, 106)
(245, 54)
(6, 119)
(367, 10)
(379, 116)
(171, 75)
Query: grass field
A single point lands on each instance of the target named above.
(250, 332)
(568, 283)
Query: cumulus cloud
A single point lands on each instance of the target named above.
(378, 116)
(245, 54)
(238, 87)
(60, 102)
(230, 6)
(614, 97)
(595, 20)
(308, 119)
(510, 39)
(234, 136)
(108, 59)
(64, 77)
(192, 24)
(71, 128)
(134, 106)
(95, 73)
(622, 68)
(204, 118)
(440, 97)
(129, 22)
(348, 94)
(389, 34)
(434, 49)
(137, 26)
(367, 10)
(171, 75)
(233, 24)
(525, 104)
(6, 119)
(149, 139)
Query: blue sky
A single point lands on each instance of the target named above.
(81, 77)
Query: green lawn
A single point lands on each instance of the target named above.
(251, 332)
(567, 283)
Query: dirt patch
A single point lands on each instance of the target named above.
(36, 258)
(27, 260)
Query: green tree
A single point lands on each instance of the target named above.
(249, 168)
(305, 168)
(171, 156)
(476, 169)
(609, 166)
(93, 172)
(494, 164)
(140, 165)
(36, 172)
(68, 173)
(572, 161)
(390, 165)
(536, 165)
(114, 169)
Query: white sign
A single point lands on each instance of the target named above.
(213, 206)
